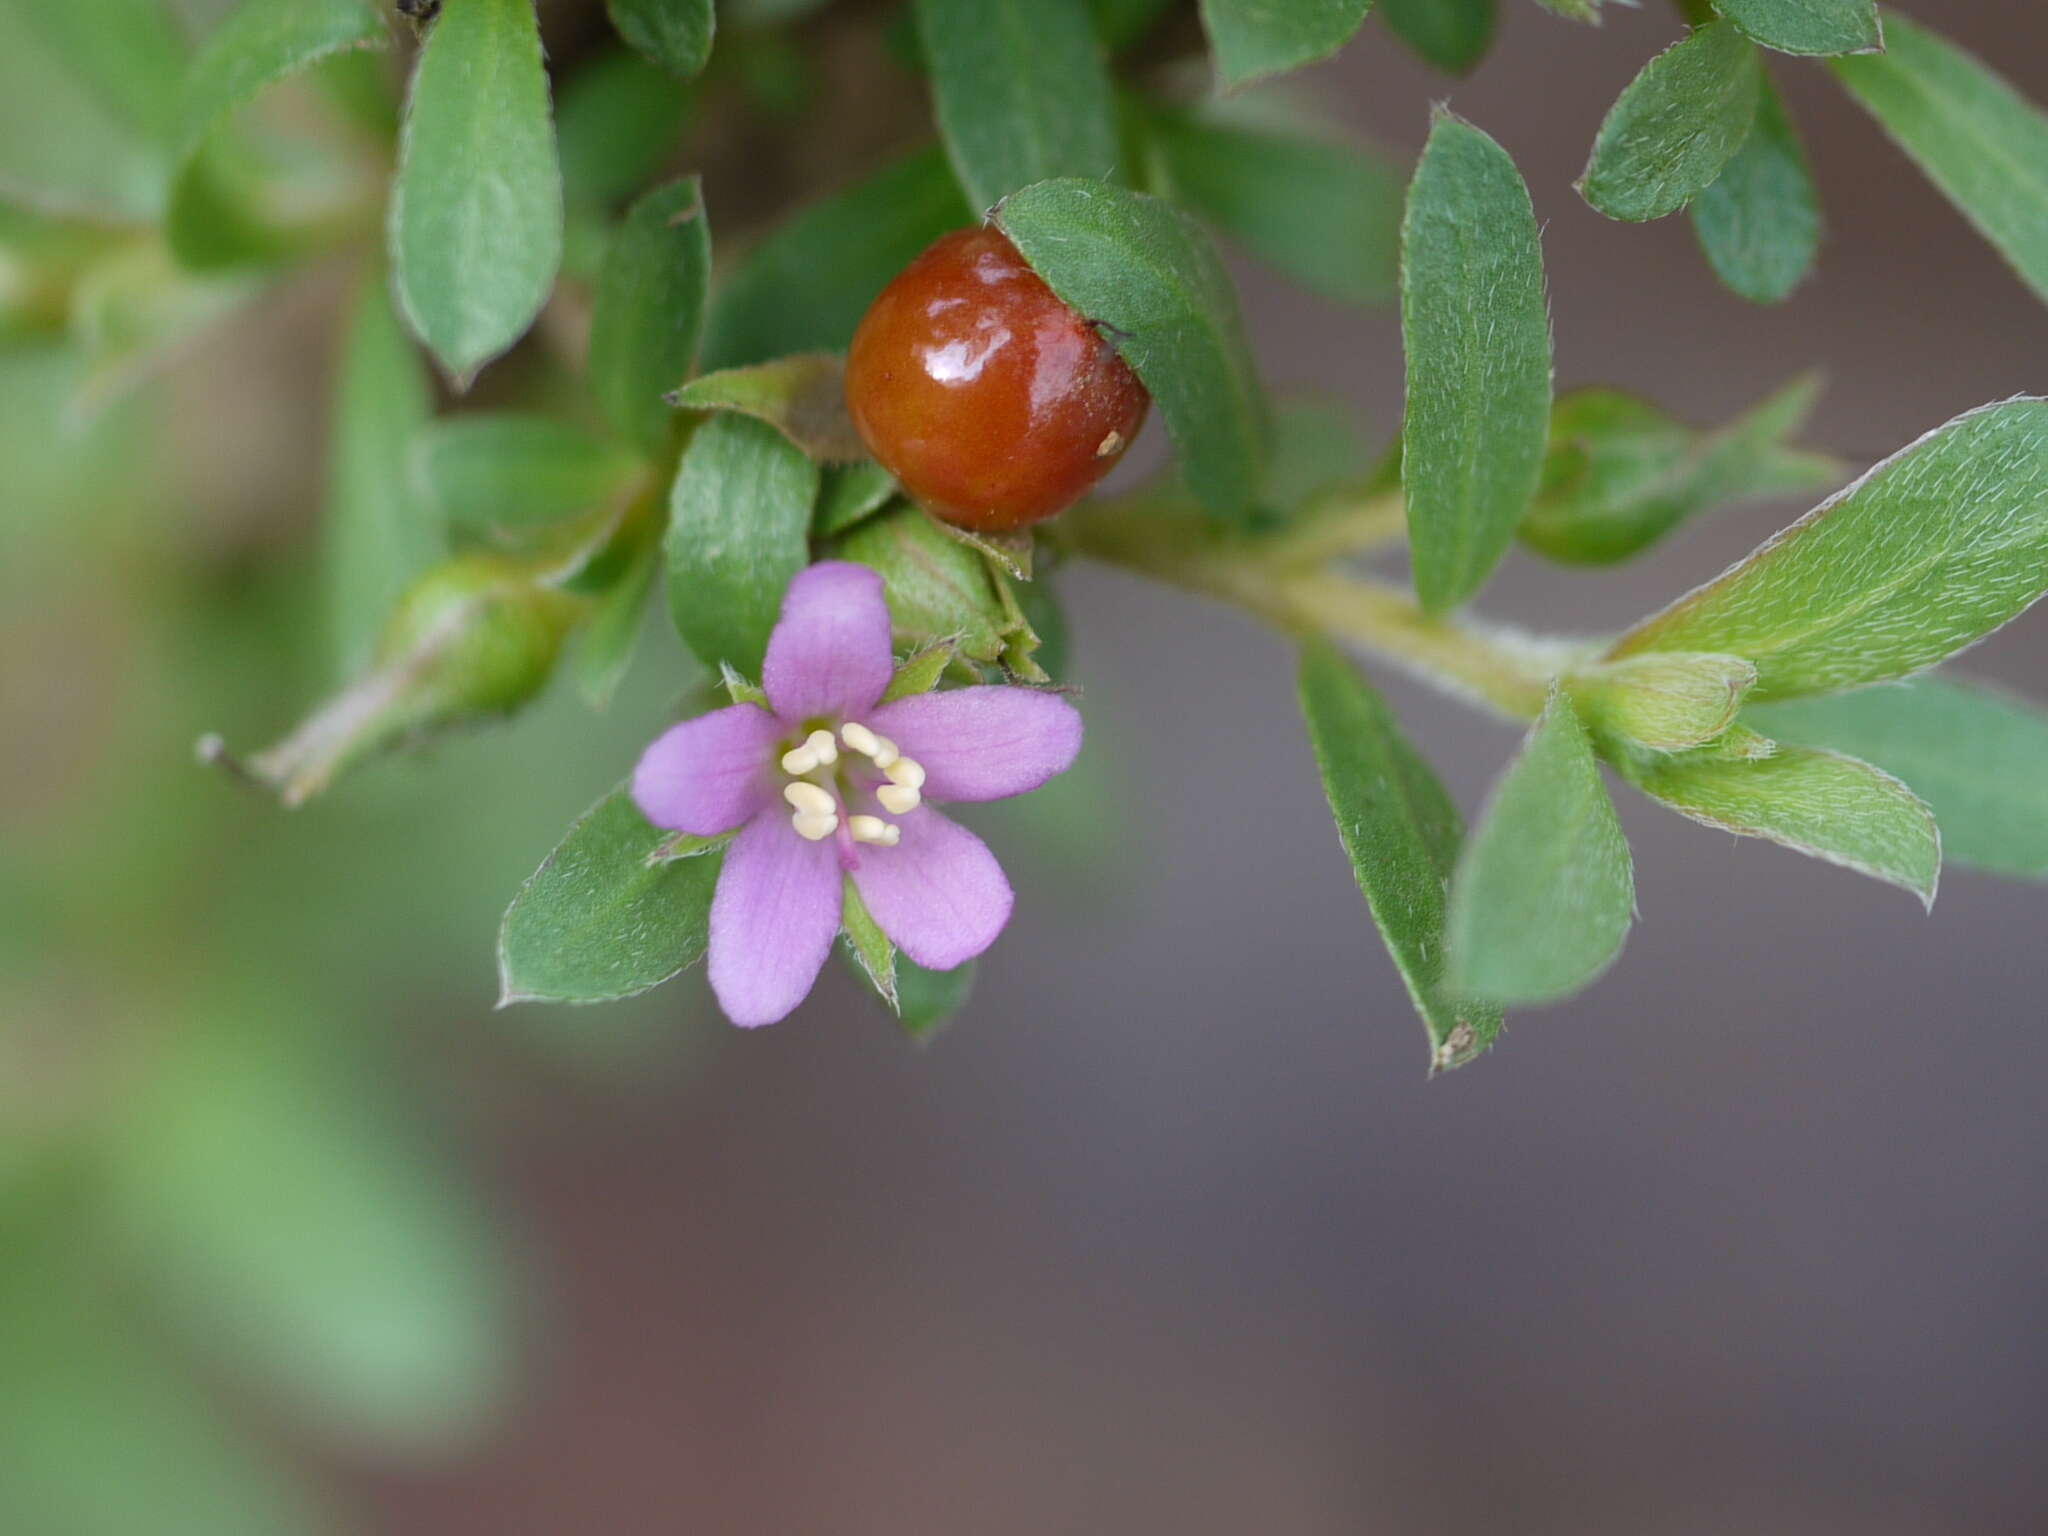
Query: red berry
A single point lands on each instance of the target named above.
(993, 403)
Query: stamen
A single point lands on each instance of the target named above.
(872, 829)
(814, 828)
(823, 747)
(906, 771)
(801, 759)
(898, 799)
(859, 737)
(809, 799)
(885, 753)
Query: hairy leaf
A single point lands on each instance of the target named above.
(1808, 26)
(1927, 553)
(937, 587)
(1667, 701)
(1401, 832)
(1022, 92)
(676, 34)
(1620, 474)
(1477, 333)
(927, 1000)
(1818, 803)
(1145, 271)
(802, 397)
(1679, 122)
(597, 921)
(805, 287)
(476, 211)
(649, 310)
(1759, 223)
(1255, 38)
(1326, 213)
(870, 948)
(739, 528)
(1977, 139)
(851, 494)
(1977, 756)
(1545, 890)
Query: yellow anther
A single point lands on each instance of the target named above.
(885, 753)
(821, 746)
(812, 827)
(799, 759)
(906, 771)
(809, 799)
(898, 799)
(872, 829)
(859, 737)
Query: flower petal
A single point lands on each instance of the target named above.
(940, 894)
(983, 743)
(829, 654)
(710, 774)
(773, 919)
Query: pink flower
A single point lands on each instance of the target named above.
(832, 783)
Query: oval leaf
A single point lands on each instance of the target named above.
(1759, 223)
(488, 471)
(1978, 757)
(1477, 333)
(1667, 701)
(650, 310)
(1022, 92)
(1254, 38)
(1929, 552)
(1401, 832)
(676, 34)
(476, 211)
(739, 531)
(1144, 270)
(598, 921)
(263, 42)
(1545, 891)
(1451, 34)
(1976, 138)
(802, 397)
(1808, 26)
(1679, 122)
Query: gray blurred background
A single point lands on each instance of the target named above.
(1170, 1233)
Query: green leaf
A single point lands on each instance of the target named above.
(927, 1000)
(1022, 92)
(676, 34)
(1978, 757)
(1817, 803)
(88, 106)
(597, 921)
(616, 121)
(1451, 34)
(100, 1435)
(485, 472)
(1121, 23)
(802, 397)
(920, 671)
(380, 531)
(1477, 333)
(1401, 832)
(263, 42)
(1255, 38)
(1620, 474)
(805, 287)
(649, 311)
(1808, 26)
(739, 526)
(476, 211)
(851, 494)
(1143, 269)
(1976, 138)
(294, 1222)
(1667, 701)
(1678, 123)
(1759, 223)
(612, 633)
(937, 587)
(1328, 214)
(1577, 10)
(1930, 551)
(869, 946)
(1545, 890)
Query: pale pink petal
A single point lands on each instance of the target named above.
(983, 743)
(710, 774)
(829, 654)
(773, 919)
(940, 894)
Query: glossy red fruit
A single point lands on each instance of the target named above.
(993, 403)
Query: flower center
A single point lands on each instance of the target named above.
(815, 806)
